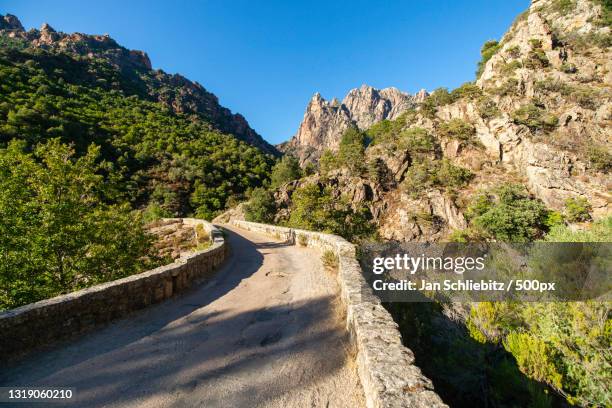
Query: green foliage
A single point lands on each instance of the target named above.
(488, 108)
(177, 162)
(535, 118)
(427, 174)
(315, 208)
(261, 206)
(487, 51)
(508, 214)
(599, 231)
(285, 170)
(534, 357)
(57, 231)
(378, 171)
(508, 88)
(386, 130)
(351, 153)
(467, 90)
(327, 162)
(577, 209)
(417, 141)
(600, 158)
(438, 97)
(537, 57)
(459, 130)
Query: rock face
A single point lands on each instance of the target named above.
(325, 121)
(178, 93)
(539, 115)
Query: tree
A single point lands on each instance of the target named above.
(57, 231)
(285, 170)
(508, 214)
(261, 206)
(352, 150)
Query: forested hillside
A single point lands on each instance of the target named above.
(88, 133)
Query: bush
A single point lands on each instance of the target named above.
(429, 173)
(534, 118)
(261, 207)
(486, 52)
(314, 208)
(600, 159)
(285, 170)
(417, 140)
(508, 88)
(467, 90)
(537, 57)
(438, 97)
(508, 214)
(577, 209)
(58, 233)
(459, 130)
(328, 162)
(351, 153)
(488, 108)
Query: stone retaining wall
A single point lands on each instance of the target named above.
(28, 327)
(386, 368)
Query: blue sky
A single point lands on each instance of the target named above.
(265, 59)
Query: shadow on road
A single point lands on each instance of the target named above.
(177, 351)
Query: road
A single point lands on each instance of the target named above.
(265, 332)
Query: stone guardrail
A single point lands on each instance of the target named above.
(28, 327)
(386, 367)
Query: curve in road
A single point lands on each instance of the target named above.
(266, 331)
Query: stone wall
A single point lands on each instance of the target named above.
(28, 327)
(386, 368)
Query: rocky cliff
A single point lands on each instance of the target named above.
(175, 91)
(539, 115)
(325, 121)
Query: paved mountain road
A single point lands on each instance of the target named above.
(264, 332)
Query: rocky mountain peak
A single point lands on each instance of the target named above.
(185, 97)
(325, 121)
(10, 22)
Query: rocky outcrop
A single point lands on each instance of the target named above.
(325, 121)
(178, 93)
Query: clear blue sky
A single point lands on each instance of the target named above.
(265, 59)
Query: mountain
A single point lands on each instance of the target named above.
(325, 121)
(530, 136)
(175, 91)
(167, 144)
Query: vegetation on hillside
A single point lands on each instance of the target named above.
(82, 146)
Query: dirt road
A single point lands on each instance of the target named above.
(265, 332)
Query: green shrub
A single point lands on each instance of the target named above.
(285, 170)
(508, 68)
(599, 231)
(514, 51)
(600, 159)
(314, 208)
(534, 118)
(351, 153)
(486, 52)
(429, 173)
(438, 97)
(487, 108)
(58, 232)
(467, 90)
(328, 162)
(508, 214)
(417, 140)
(508, 88)
(577, 209)
(459, 130)
(378, 171)
(537, 57)
(261, 206)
